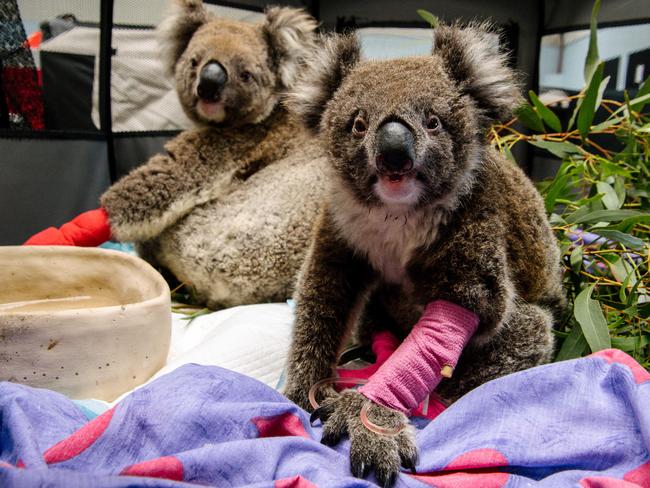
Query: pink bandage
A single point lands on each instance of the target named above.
(414, 369)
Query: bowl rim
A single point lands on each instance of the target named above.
(163, 295)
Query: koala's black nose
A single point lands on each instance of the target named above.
(212, 79)
(395, 148)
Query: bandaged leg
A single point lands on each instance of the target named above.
(429, 352)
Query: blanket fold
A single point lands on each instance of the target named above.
(583, 423)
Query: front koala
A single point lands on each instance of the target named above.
(428, 233)
(228, 208)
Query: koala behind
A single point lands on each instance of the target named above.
(428, 233)
(229, 207)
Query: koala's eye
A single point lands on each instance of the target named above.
(194, 62)
(433, 123)
(245, 76)
(359, 127)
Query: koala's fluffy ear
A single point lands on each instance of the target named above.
(324, 72)
(178, 27)
(290, 33)
(473, 59)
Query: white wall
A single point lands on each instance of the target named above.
(612, 43)
(386, 43)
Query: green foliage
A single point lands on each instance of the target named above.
(599, 207)
(428, 17)
(592, 53)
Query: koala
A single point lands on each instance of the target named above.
(229, 207)
(426, 232)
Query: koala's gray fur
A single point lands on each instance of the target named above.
(229, 208)
(470, 228)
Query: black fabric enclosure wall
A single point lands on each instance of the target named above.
(68, 69)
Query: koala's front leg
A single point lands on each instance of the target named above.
(331, 282)
(429, 352)
(154, 196)
(149, 199)
(341, 416)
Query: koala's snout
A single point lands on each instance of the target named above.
(395, 148)
(212, 79)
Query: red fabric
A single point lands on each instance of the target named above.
(26, 96)
(167, 467)
(294, 482)
(88, 229)
(81, 440)
(480, 467)
(283, 425)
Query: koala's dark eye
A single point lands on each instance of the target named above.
(194, 63)
(359, 127)
(433, 123)
(245, 76)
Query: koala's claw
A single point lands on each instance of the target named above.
(369, 450)
(315, 415)
(409, 461)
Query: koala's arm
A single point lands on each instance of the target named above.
(157, 194)
(470, 269)
(331, 283)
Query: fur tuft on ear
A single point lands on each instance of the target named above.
(324, 72)
(177, 28)
(473, 59)
(290, 33)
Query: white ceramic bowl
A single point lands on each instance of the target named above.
(87, 322)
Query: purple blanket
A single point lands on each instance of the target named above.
(583, 423)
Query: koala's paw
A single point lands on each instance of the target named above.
(385, 454)
(299, 394)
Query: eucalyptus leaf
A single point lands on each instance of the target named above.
(576, 259)
(607, 124)
(618, 236)
(628, 223)
(588, 107)
(601, 91)
(644, 90)
(610, 168)
(559, 149)
(529, 118)
(428, 17)
(556, 188)
(547, 115)
(607, 216)
(592, 321)
(623, 272)
(631, 344)
(573, 346)
(619, 188)
(574, 115)
(592, 53)
(555, 219)
(638, 100)
(610, 198)
(577, 215)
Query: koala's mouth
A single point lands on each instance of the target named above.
(398, 188)
(214, 111)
